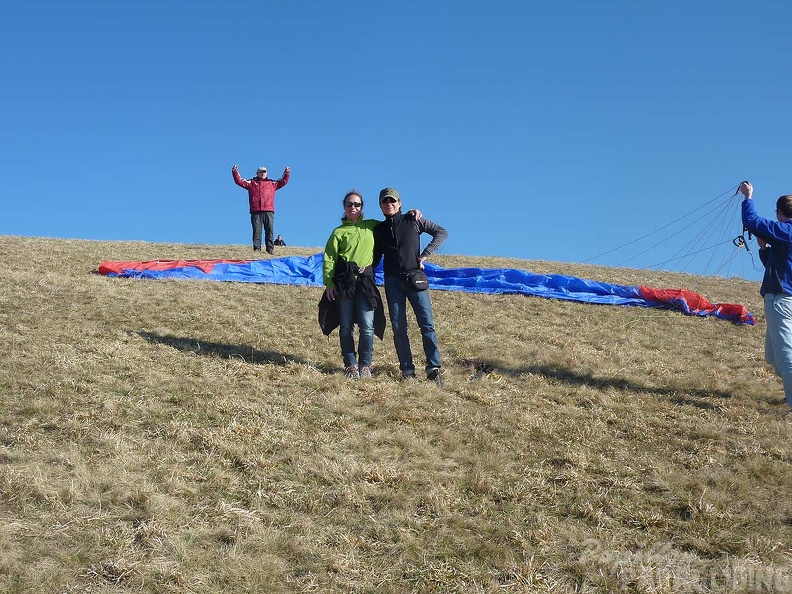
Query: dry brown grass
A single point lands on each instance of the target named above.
(183, 436)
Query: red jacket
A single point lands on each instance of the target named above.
(261, 192)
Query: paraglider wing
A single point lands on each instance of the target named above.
(298, 270)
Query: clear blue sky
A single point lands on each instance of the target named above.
(538, 130)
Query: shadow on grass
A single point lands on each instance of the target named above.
(224, 351)
(676, 394)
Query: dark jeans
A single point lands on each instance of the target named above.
(265, 219)
(397, 295)
(351, 310)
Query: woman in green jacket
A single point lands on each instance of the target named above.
(346, 269)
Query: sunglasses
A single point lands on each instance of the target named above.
(353, 204)
(389, 200)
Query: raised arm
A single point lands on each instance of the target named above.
(238, 179)
(767, 229)
(285, 179)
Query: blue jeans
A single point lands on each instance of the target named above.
(397, 295)
(351, 310)
(778, 339)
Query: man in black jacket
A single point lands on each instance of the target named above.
(398, 240)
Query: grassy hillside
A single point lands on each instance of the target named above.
(185, 436)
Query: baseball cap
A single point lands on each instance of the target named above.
(384, 193)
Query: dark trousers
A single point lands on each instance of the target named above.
(265, 219)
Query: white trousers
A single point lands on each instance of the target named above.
(778, 339)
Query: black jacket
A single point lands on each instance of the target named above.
(398, 240)
(348, 282)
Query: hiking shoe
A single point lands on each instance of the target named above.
(365, 372)
(408, 375)
(352, 372)
(433, 375)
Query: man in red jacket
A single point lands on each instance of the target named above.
(261, 195)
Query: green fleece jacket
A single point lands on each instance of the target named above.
(353, 241)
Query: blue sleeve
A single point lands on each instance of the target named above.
(764, 228)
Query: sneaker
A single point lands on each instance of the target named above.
(351, 372)
(408, 375)
(256, 248)
(433, 375)
(365, 372)
(270, 251)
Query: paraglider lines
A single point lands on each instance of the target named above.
(721, 227)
